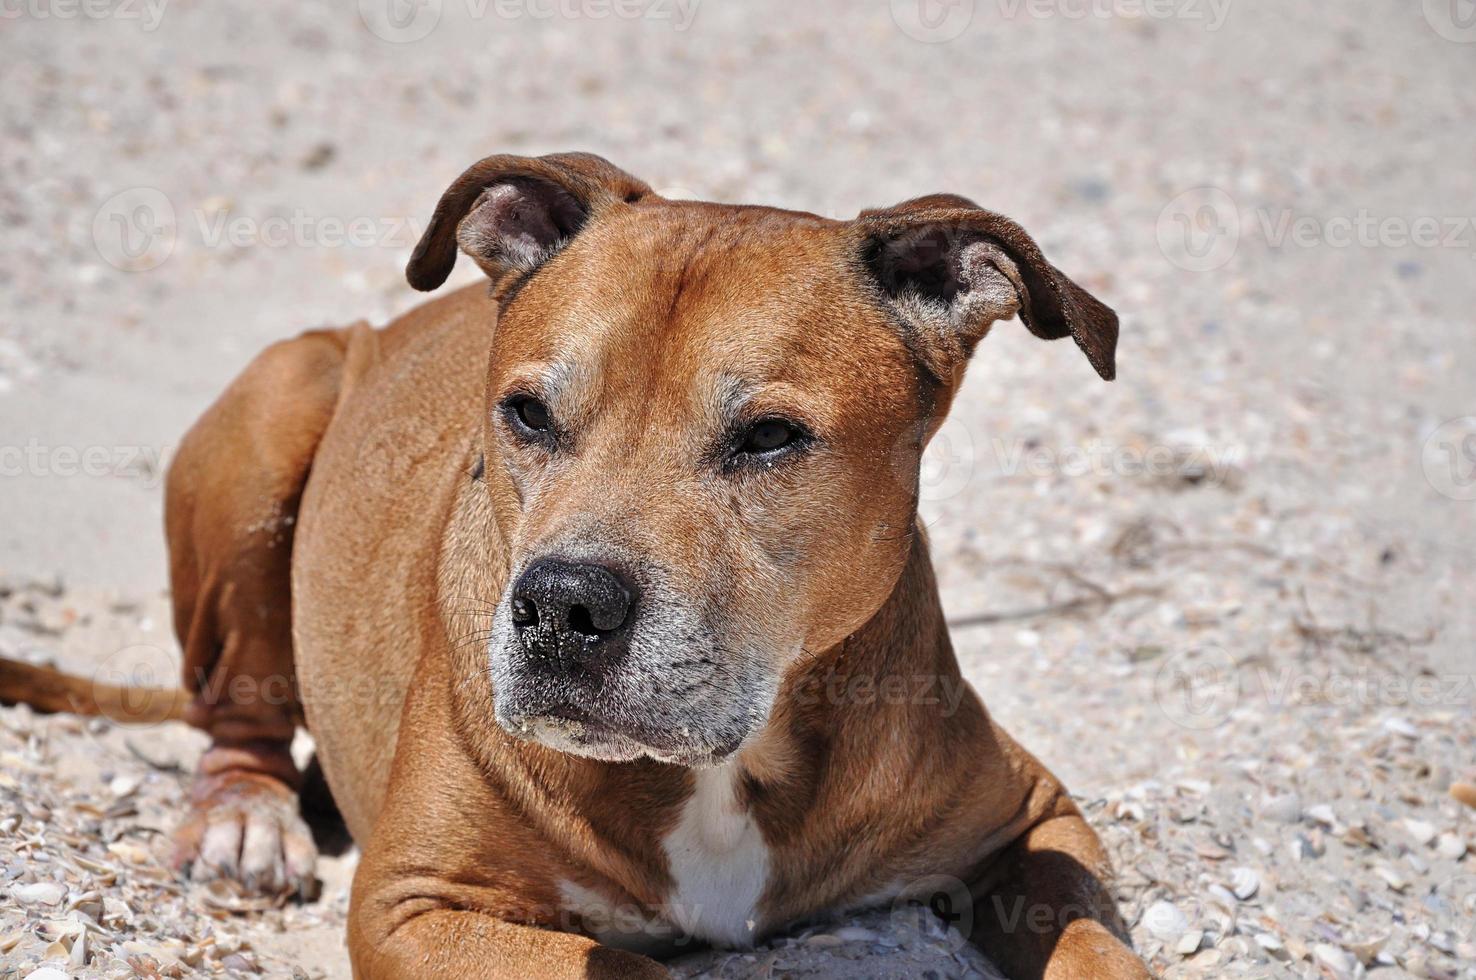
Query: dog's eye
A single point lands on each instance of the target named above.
(768, 440)
(528, 414)
(534, 414)
(768, 435)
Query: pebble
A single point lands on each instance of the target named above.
(130, 852)
(1368, 952)
(40, 893)
(1464, 793)
(1188, 944)
(1392, 878)
(1451, 847)
(1223, 897)
(1341, 964)
(1286, 808)
(1322, 814)
(1402, 727)
(1273, 946)
(122, 786)
(1244, 883)
(1165, 922)
(48, 973)
(1422, 832)
(77, 958)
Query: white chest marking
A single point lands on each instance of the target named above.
(719, 866)
(719, 863)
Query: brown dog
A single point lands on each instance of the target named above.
(574, 584)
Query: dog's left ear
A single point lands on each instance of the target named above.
(511, 212)
(951, 269)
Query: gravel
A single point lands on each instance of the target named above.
(1229, 598)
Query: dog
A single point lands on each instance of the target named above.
(573, 577)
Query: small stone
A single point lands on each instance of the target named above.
(1464, 793)
(1210, 957)
(1286, 808)
(1401, 727)
(855, 934)
(1165, 922)
(48, 973)
(1368, 952)
(1339, 963)
(1322, 814)
(1244, 883)
(240, 963)
(1391, 877)
(129, 851)
(1273, 946)
(116, 910)
(1306, 847)
(122, 786)
(1189, 942)
(39, 893)
(78, 958)
(1422, 832)
(1222, 897)
(1451, 847)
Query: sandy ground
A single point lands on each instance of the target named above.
(1229, 598)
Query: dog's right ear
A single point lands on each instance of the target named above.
(512, 213)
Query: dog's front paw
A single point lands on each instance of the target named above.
(246, 827)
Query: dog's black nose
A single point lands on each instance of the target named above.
(571, 610)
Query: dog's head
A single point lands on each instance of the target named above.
(703, 430)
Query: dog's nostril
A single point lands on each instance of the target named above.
(580, 621)
(524, 613)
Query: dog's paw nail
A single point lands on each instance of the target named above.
(257, 839)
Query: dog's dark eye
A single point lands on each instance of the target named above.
(528, 416)
(768, 435)
(532, 413)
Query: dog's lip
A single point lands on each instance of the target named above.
(574, 726)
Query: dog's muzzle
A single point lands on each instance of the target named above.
(587, 661)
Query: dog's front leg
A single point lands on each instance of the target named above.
(409, 931)
(455, 881)
(1048, 913)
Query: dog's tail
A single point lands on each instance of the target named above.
(50, 691)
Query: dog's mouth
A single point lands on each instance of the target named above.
(572, 730)
(622, 719)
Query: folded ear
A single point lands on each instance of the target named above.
(512, 212)
(951, 269)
